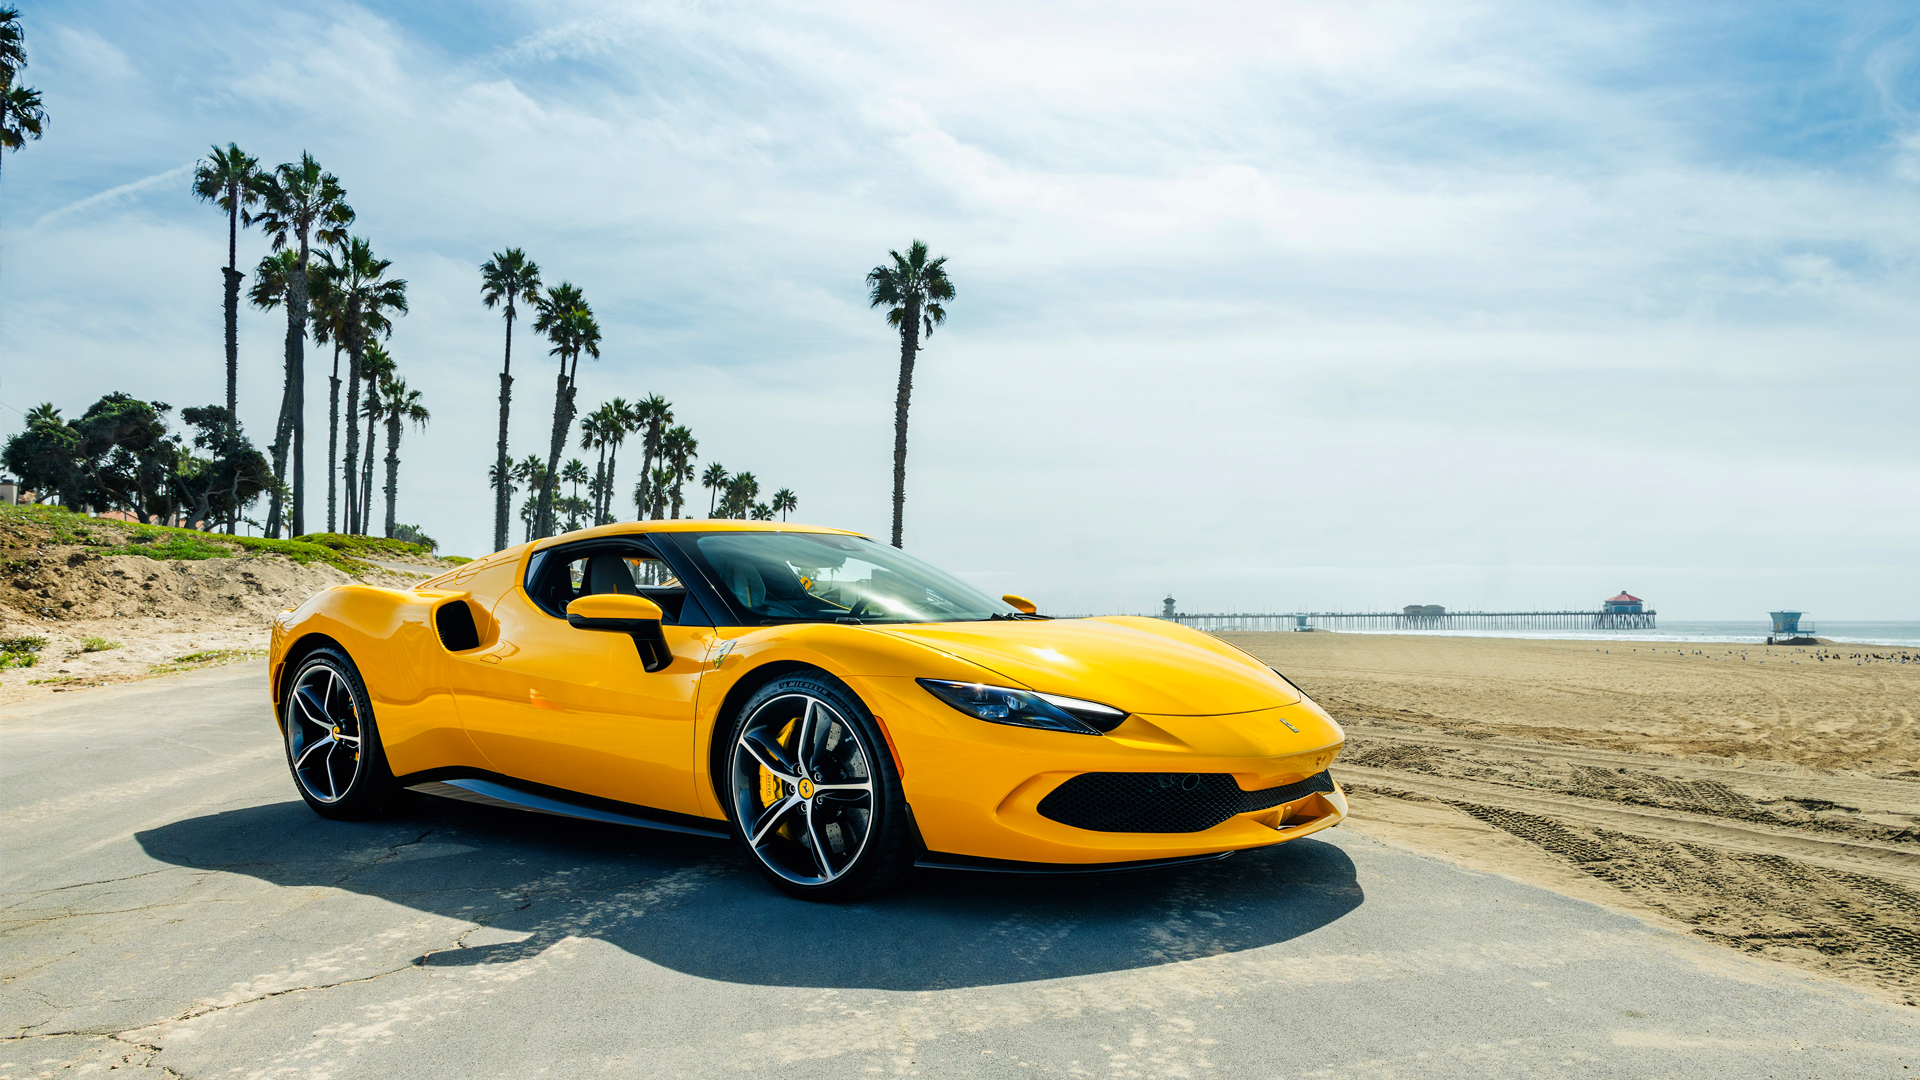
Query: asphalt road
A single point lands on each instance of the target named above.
(166, 902)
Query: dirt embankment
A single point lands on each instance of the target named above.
(1762, 798)
(89, 603)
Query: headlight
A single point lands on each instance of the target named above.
(1024, 708)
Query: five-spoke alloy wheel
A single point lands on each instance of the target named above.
(815, 798)
(333, 747)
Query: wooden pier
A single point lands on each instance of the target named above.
(1397, 620)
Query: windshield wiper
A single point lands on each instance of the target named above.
(1018, 616)
(785, 619)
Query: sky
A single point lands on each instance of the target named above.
(1266, 307)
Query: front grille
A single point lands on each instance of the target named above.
(1164, 802)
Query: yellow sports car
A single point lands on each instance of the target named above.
(841, 709)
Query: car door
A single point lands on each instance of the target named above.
(577, 709)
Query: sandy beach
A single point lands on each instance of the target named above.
(1765, 798)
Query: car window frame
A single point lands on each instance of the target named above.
(693, 611)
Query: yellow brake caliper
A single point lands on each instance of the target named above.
(772, 790)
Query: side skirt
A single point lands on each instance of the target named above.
(492, 789)
(934, 860)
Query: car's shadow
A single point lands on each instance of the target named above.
(698, 907)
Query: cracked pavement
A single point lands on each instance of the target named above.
(167, 904)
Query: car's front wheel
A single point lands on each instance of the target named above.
(813, 792)
(333, 744)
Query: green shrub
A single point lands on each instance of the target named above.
(363, 546)
(157, 545)
(98, 644)
(457, 560)
(21, 651)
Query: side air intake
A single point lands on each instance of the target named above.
(454, 620)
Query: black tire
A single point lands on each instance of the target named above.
(812, 792)
(332, 742)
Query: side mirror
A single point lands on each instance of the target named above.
(1021, 604)
(619, 613)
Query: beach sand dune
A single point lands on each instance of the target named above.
(1762, 797)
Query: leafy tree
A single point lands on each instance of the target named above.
(230, 179)
(413, 534)
(783, 501)
(742, 490)
(913, 291)
(503, 278)
(301, 205)
(399, 404)
(46, 456)
(119, 455)
(217, 488)
(22, 116)
(569, 324)
(715, 481)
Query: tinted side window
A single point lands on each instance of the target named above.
(567, 574)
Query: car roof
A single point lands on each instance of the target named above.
(637, 528)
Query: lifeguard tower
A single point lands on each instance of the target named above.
(1788, 631)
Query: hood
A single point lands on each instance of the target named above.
(1139, 665)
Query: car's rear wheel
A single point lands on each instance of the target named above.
(333, 744)
(813, 792)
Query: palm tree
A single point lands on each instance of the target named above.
(912, 291)
(531, 472)
(230, 179)
(329, 318)
(622, 421)
(378, 368)
(593, 437)
(568, 322)
(366, 297)
(301, 204)
(651, 416)
(783, 501)
(398, 403)
(741, 491)
(13, 45)
(22, 116)
(509, 274)
(574, 473)
(272, 288)
(681, 449)
(714, 480)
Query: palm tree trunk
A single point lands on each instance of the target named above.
(233, 277)
(282, 431)
(909, 345)
(348, 471)
(562, 419)
(333, 439)
(613, 468)
(393, 465)
(600, 485)
(297, 375)
(366, 474)
(502, 495)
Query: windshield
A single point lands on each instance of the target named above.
(822, 576)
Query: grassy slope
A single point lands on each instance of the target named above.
(23, 526)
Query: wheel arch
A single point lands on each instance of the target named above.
(296, 652)
(747, 685)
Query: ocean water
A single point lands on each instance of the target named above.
(1752, 632)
